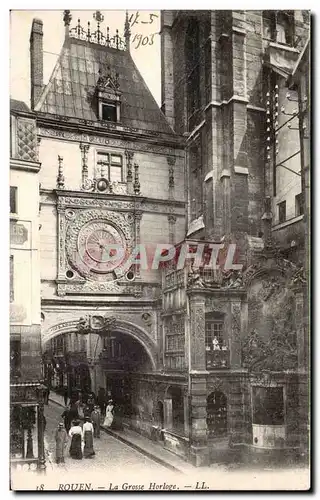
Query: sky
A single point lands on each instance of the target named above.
(145, 48)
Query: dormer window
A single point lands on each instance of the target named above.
(109, 112)
(109, 96)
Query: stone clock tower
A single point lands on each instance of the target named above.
(112, 174)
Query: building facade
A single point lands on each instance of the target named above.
(112, 172)
(26, 390)
(226, 89)
(213, 363)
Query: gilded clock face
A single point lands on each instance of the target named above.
(95, 241)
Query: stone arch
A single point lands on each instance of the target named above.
(121, 326)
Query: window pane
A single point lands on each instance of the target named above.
(109, 113)
(115, 174)
(13, 200)
(116, 160)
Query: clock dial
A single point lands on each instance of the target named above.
(94, 243)
(98, 243)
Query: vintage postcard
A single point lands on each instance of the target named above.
(159, 250)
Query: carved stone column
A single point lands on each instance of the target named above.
(197, 331)
(198, 384)
(172, 221)
(171, 162)
(61, 238)
(167, 410)
(137, 221)
(129, 158)
(41, 453)
(136, 185)
(235, 344)
(38, 147)
(84, 148)
(60, 177)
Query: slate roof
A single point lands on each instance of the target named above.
(18, 106)
(73, 82)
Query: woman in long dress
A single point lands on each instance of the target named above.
(109, 414)
(76, 435)
(88, 450)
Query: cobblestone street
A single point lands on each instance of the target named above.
(111, 455)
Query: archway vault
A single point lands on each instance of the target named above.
(121, 326)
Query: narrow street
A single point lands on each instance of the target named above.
(111, 454)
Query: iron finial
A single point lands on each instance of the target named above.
(67, 17)
(127, 32)
(98, 16)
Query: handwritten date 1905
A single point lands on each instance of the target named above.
(143, 40)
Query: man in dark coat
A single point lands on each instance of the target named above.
(96, 421)
(67, 418)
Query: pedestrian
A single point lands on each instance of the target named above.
(65, 395)
(96, 421)
(61, 443)
(88, 450)
(74, 413)
(46, 395)
(91, 401)
(109, 414)
(67, 417)
(101, 400)
(76, 435)
(86, 412)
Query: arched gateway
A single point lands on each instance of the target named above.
(112, 361)
(120, 326)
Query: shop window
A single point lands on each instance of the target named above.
(15, 357)
(217, 414)
(268, 405)
(282, 207)
(110, 166)
(299, 205)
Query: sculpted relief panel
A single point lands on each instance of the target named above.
(271, 341)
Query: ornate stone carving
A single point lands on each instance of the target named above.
(84, 148)
(75, 239)
(96, 324)
(60, 177)
(136, 184)
(98, 203)
(275, 354)
(215, 384)
(129, 157)
(232, 279)
(93, 139)
(215, 305)
(271, 286)
(298, 278)
(171, 162)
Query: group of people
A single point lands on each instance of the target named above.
(83, 430)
